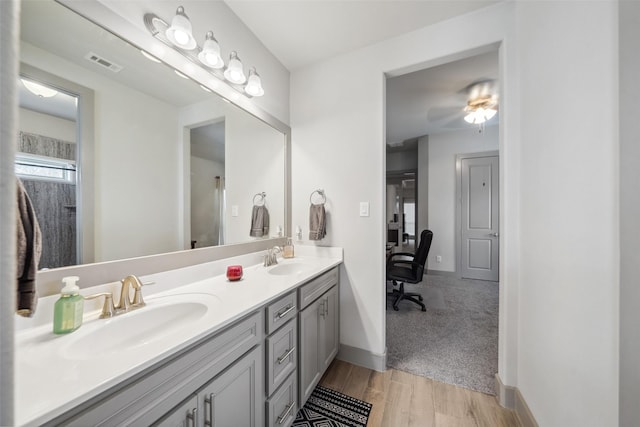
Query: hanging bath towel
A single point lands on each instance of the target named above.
(28, 251)
(317, 222)
(259, 222)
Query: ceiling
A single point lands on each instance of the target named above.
(300, 33)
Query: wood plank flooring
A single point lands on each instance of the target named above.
(401, 399)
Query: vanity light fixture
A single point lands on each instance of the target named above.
(179, 33)
(254, 84)
(38, 89)
(179, 37)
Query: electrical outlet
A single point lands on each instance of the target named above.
(438, 258)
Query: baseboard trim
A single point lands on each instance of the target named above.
(511, 398)
(364, 358)
(442, 273)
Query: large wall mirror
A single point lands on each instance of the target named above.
(157, 164)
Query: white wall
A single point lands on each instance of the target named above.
(559, 280)
(254, 163)
(568, 336)
(46, 125)
(441, 168)
(629, 214)
(130, 154)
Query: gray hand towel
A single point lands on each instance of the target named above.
(259, 222)
(317, 222)
(29, 249)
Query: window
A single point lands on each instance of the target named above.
(32, 166)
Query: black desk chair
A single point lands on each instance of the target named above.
(401, 271)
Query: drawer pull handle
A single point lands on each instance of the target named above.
(282, 358)
(208, 400)
(284, 313)
(192, 416)
(283, 417)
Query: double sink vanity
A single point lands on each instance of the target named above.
(203, 351)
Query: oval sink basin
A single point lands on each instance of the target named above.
(286, 269)
(139, 327)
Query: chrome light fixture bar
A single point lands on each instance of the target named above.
(178, 36)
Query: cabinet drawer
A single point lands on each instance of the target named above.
(282, 356)
(283, 406)
(316, 287)
(280, 312)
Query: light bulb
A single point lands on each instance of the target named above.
(234, 72)
(210, 54)
(179, 33)
(254, 84)
(489, 113)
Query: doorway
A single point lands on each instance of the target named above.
(434, 106)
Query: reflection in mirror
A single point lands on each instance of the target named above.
(146, 136)
(46, 164)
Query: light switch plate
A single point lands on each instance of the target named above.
(364, 208)
(234, 210)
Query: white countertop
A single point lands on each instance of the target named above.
(51, 379)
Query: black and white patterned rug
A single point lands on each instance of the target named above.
(328, 408)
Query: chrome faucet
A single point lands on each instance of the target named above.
(270, 258)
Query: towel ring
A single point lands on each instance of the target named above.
(261, 198)
(321, 194)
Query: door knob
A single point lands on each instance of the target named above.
(494, 234)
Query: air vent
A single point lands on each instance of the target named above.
(103, 62)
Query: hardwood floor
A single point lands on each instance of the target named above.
(401, 399)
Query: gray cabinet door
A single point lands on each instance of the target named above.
(329, 329)
(184, 415)
(309, 345)
(236, 397)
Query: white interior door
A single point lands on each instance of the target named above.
(480, 217)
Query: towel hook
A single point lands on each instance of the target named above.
(261, 198)
(321, 194)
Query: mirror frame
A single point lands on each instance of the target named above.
(104, 272)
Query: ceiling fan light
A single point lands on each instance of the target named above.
(38, 89)
(470, 118)
(489, 113)
(254, 84)
(210, 53)
(234, 72)
(180, 31)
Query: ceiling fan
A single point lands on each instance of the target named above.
(476, 103)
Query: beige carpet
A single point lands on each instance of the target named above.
(455, 341)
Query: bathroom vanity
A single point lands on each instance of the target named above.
(208, 353)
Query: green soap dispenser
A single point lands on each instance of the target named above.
(68, 310)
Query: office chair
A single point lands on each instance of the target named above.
(401, 271)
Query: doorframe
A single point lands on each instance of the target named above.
(458, 235)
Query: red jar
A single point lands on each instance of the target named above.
(234, 272)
